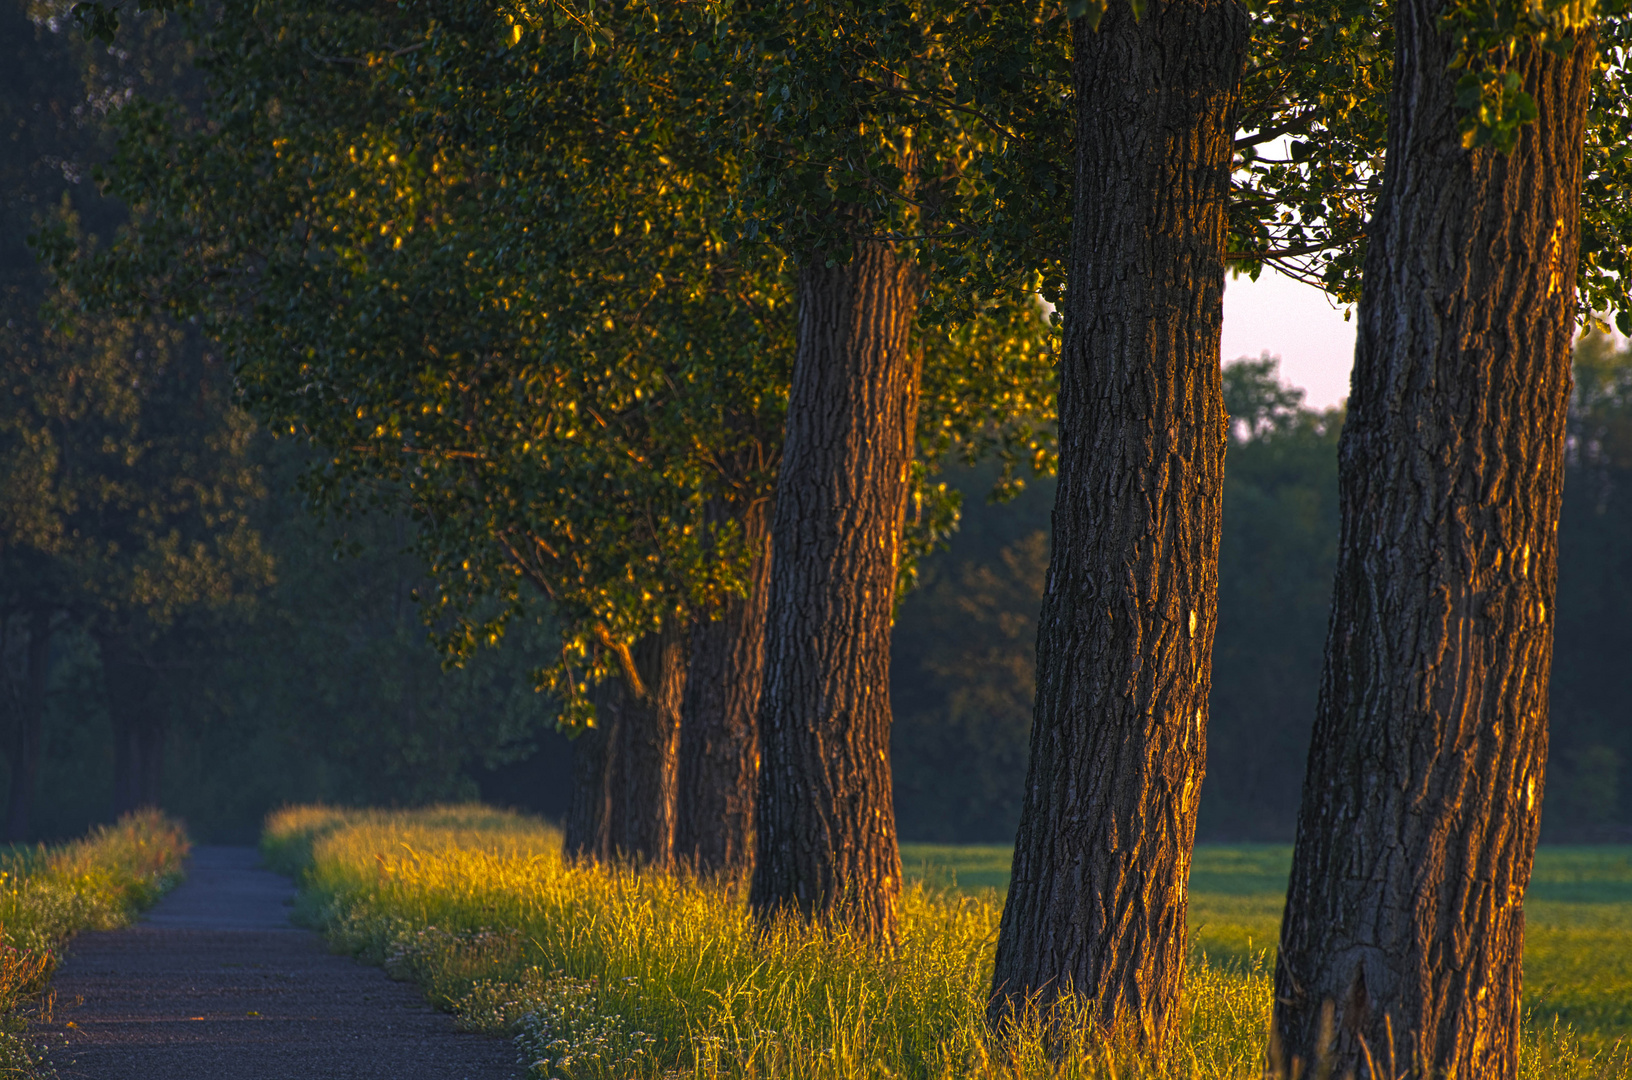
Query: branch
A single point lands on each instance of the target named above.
(1262, 136)
(526, 568)
(942, 103)
(404, 51)
(470, 454)
(1279, 253)
(625, 661)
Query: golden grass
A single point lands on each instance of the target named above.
(612, 972)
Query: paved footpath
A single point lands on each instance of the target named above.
(215, 984)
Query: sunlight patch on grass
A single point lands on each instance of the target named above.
(612, 972)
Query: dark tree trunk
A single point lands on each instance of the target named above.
(1124, 645)
(646, 763)
(624, 769)
(825, 845)
(719, 735)
(1404, 918)
(137, 711)
(589, 818)
(25, 744)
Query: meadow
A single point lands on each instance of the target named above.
(611, 972)
(47, 895)
(1578, 923)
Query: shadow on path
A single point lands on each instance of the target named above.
(215, 984)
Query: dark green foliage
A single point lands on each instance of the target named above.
(325, 690)
(497, 278)
(484, 272)
(963, 670)
(1588, 796)
(1275, 583)
(331, 691)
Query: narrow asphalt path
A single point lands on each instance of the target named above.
(215, 984)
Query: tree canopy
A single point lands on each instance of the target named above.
(495, 276)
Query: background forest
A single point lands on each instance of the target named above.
(172, 616)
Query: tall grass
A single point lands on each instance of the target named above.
(612, 972)
(49, 894)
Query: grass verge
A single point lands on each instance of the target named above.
(602, 972)
(47, 895)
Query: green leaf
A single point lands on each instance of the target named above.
(1092, 10)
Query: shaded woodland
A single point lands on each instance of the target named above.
(390, 390)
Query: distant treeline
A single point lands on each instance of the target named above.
(962, 681)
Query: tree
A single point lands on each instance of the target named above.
(43, 84)
(594, 413)
(865, 141)
(125, 483)
(1400, 948)
(25, 700)
(369, 716)
(1315, 74)
(1096, 904)
(572, 402)
(718, 770)
(965, 641)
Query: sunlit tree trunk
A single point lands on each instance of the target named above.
(825, 844)
(719, 736)
(1404, 924)
(1096, 905)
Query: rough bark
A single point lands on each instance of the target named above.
(1404, 922)
(825, 844)
(719, 735)
(26, 737)
(1096, 905)
(645, 766)
(623, 769)
(138, 713)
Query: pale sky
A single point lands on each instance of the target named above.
(1296, 322)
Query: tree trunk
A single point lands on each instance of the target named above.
(825, 845)
(1404, 918)
(624, 769)
(25, 745)
(646, 766)
(1097, 901)
(589, 819)
(137, 711)
(719, 735)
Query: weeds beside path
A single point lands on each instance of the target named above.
(47, 895)
(216, 983)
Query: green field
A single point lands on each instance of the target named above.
(1578, 918)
